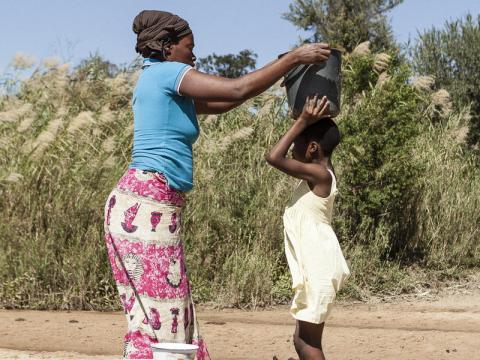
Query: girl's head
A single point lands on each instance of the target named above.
(164, 36)
(317, 141)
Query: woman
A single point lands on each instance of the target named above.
(143, 212)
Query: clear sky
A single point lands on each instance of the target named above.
(72, 29)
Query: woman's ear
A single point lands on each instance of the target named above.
(167, 51)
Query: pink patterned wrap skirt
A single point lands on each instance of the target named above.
(142, 234)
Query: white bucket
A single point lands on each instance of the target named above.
(174, 351)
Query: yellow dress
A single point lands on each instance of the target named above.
(314, 256)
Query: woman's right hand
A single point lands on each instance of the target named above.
(312, 53)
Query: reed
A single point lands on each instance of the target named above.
(52, 194)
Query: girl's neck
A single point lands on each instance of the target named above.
(323, 161)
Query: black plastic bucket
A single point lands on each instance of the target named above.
(323, 79)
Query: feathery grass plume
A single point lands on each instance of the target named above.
(27, 147)
(381, 62)
(110, 162)
(382, 79)
(362, 49)
(441, 100)
(41, 143)
(64, 68)
(460, 134)
(15, 113)
(424, 83)
(61, 111)
(51, 63)
(22, 61)
(238, 135)
(25, 124)
(210, 119)
(132, 79)
(14, 177)
(266, 107)
(4, 143)
(82, 120)
(109, 145)
(121, 80)
(119, 85)
(44, 139)
(55, 125)
(129, 129)
(106, 115)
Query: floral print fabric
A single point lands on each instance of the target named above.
(142, 235)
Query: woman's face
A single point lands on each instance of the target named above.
(183, 51)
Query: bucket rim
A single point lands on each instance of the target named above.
(174, 346)
(300, 69)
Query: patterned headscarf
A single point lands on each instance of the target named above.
(156, 29)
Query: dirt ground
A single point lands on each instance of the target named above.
(445, 328)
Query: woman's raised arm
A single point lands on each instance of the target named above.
(203, 87)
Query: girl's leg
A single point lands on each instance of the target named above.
(308, 340)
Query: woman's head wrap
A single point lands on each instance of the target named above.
(156, 29)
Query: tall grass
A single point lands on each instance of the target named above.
(66, 136)
(448, 209)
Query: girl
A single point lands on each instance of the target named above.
(313, 253)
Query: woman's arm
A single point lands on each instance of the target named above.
(215, 107)
(313, 110)
(203, 87)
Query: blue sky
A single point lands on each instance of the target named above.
(72, 29)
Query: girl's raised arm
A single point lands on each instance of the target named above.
(313, 110)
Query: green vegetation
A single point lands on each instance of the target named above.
(407, 208)
(450, 55)
(229, 65)
(345, 23)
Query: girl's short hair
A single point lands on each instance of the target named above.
(326, 133)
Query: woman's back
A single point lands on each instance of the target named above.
(165, 123)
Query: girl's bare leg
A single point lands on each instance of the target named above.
(308, 340)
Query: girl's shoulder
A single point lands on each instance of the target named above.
(325, 184)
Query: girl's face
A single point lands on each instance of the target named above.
(299, 149)
(183, 51)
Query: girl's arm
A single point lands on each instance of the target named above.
(203, 87)
(313, 110)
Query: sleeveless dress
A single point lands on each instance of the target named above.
(314, 256)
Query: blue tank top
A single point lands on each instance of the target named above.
(165, 123)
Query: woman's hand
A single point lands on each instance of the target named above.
(312, 53)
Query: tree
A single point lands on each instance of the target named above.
(344, 23)
(95, 67)
(229, 65)
(451, 56)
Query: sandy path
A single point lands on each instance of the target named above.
(448, 328)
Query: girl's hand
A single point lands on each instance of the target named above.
(314, 109)
(312, 53)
